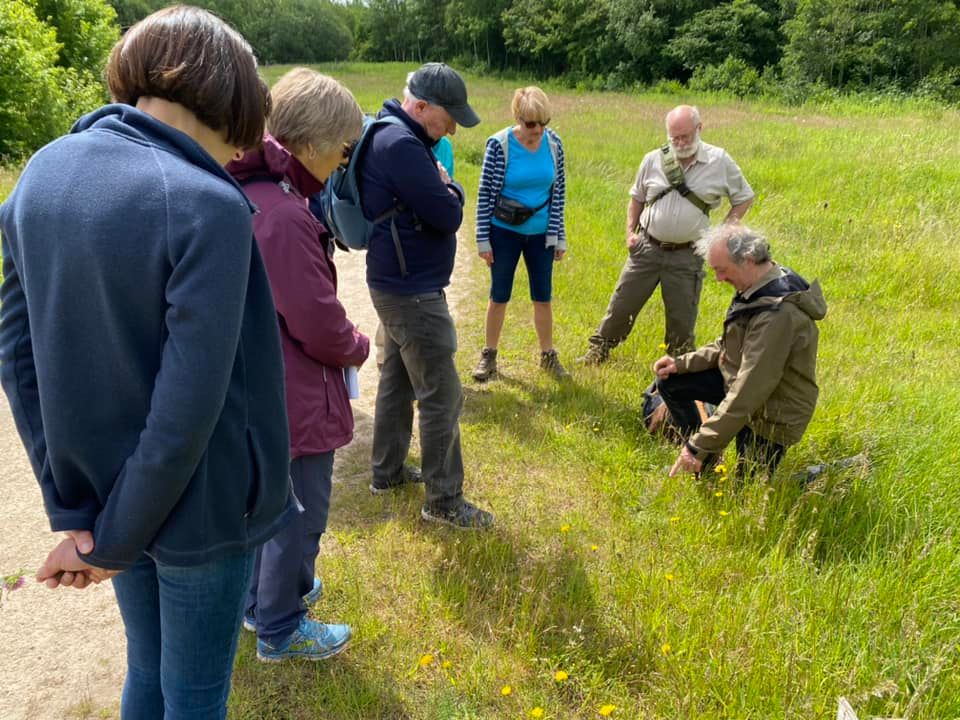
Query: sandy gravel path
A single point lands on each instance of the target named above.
(62, 652)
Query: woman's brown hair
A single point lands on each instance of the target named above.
(190, 56)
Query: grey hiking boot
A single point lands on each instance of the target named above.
(465, 516)
(486, 369)
(550, 361)
(597, 354)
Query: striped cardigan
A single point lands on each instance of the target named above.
(491, 182)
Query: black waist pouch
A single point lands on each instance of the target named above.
(514, 213)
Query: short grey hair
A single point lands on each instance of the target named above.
(407, 95)
(693, 110)
(312, 109)
(741, 242)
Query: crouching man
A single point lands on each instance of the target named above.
(761, 374)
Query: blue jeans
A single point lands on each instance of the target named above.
(507, 248)
(419, 342)
(182, 625)
(286, 563)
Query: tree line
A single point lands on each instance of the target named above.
(51, 51)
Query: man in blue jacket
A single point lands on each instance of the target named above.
(407, 277)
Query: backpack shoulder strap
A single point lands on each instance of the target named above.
(503, 138)
(554, 152)
(674, 173)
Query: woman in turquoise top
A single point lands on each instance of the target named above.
(520, 208)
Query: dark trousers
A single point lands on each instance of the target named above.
(679, 391)
(286, 563)
(419, 343)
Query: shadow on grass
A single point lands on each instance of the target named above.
(833, 517)
(335, 689)
(534, 600)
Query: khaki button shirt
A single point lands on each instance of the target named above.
(674, 219)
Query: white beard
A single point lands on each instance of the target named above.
(690, 150)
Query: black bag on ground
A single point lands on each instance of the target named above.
(657, 419)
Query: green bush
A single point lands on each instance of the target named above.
(86, 30)
(29, 81)
(733, 75)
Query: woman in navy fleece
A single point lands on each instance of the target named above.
(141, 357)
(313, 124)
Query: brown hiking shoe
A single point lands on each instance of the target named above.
(596, 354)
(550, 362)
(486, 369)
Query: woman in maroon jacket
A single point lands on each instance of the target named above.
(313, 123)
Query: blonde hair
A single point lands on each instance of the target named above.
(312, 109)
(530, 103)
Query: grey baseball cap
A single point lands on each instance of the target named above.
(439, 84)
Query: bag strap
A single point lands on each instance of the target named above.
(394, 233)
(674, 173)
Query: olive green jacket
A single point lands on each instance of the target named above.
(768, 358)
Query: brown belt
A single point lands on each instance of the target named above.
(668, 247)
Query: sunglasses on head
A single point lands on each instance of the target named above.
(531, 124)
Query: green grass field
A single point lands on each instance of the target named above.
(668, 598)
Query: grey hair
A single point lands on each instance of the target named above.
(692, 109)
(407, 95)
(313, 110)
(741, 242)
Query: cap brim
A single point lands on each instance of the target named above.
(463, 114)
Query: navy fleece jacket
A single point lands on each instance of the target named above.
(139, 345)
(399, 167)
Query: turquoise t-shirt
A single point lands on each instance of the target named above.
(443, 151)
(528, 180)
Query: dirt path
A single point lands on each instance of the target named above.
(62, 652)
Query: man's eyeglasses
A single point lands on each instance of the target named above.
(531, 124)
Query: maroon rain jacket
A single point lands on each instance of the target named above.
(317, 337)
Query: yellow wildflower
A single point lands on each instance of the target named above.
(718, 493)
(607, 710)
(506, 690)
(723, 513)
(426, 660)
(537, 712)
(564, 528)
(669, 577)
(675, 519)
(594, 547)
(720, 469)
(665, 648)
(560, 675)
(662, 346)
(446, 664)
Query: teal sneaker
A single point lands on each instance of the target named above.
(312, 640)
(311, 597)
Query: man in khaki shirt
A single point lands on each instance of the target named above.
(662, 224)
(761, 374)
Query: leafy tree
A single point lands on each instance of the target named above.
(86, 31)
(871, 42)
(558, 36)
(739, 29)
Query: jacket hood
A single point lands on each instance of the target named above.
(128, 121)
(787, 287)
(274, 160)
(393, 107)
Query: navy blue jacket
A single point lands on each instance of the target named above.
(139, 345)
(399, 167)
